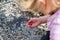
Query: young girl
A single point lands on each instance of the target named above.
(53, 21)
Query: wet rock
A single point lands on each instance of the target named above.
(13, 23)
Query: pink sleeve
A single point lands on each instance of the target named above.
(55, 28)
(55, 32)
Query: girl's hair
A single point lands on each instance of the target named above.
(51, 13)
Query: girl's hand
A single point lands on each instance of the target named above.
(33, 22)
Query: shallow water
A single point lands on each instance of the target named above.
(12, 23)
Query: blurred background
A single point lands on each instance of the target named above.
(13, 23)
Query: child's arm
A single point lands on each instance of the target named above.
(34, 22)
(44, 18)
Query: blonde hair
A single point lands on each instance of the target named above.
(44, 6)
